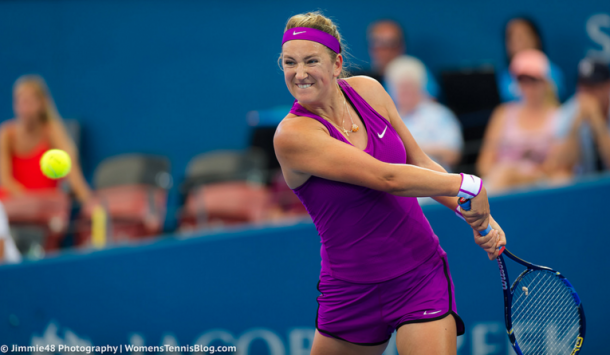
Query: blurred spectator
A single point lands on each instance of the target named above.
(8, 250)
(36, 128)
(386, 40)
(522, 34)
(434, 127)
(584, 122)
(520, 135)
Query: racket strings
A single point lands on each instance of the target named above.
(544, 315)
(546, 340)
(539, 338)
(548, 345)
(546, 307)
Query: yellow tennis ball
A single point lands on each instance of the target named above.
(55, 163)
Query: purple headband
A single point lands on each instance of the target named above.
(311, 34)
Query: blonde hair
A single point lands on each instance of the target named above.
(319, 22)
(49, 113)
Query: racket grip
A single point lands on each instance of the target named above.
(465, 205)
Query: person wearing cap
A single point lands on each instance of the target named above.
(521, 33)
(434, 126)
(520, 135)
(584, 122)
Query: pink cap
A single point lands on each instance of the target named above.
(530, 62)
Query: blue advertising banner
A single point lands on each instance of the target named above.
(255, 289)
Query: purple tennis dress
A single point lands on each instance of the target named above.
(382, 265)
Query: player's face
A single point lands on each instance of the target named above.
(27, 104)
(309, 71)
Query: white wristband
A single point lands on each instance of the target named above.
(471, 186)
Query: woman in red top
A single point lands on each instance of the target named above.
(36, 128)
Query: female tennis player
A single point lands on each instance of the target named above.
(352, 162)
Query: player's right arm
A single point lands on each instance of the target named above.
(304, 148)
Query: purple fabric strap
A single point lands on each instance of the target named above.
(312, 34)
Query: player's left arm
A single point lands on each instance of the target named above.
(60, 139)
(374, 93)
(380, 100)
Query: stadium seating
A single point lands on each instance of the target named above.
(225, 187)
(132, 189)
(47, 211)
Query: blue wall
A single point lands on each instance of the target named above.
(178, 77)
(261, 283)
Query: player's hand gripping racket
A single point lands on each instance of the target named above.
(542, 311)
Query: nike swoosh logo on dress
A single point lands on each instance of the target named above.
(383, 133)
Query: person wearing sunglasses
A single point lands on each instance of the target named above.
(520, 135)
(521, 33)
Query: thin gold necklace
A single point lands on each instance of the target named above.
(355, 128)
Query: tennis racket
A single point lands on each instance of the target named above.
(542, 311)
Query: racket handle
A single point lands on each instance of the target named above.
(486, 231)
(465, 205)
